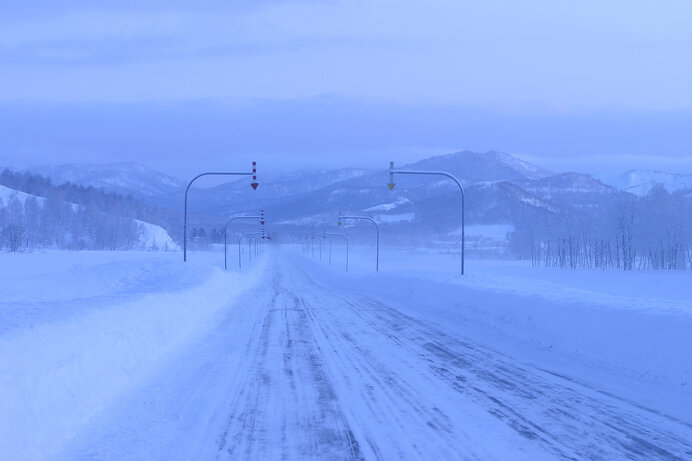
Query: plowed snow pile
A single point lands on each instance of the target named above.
(79, 328)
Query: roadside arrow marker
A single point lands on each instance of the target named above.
(254, 183)
(391, 185)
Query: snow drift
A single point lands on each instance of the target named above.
(57, 374)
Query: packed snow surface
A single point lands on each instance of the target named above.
(139, 356)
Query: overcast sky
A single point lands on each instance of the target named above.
(188, 85)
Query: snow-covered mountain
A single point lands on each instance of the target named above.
(499, 189)
(573, 189)
(474, 167)
(640, 182)
(315, 192)
(122, 178)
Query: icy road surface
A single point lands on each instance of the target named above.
(300, 369)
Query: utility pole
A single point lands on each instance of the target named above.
(330, 245)
(240, 240)
(391, 185)
(377, 233)
(254, 185)
(324, 236)
(225, 243)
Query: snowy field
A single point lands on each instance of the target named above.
(135, 355)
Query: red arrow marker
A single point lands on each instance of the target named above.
(254, 183)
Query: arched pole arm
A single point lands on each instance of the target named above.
(392, 172)
(336, 235)
(431, 173)
(346, 239)
(377, 234)
(225, 242)
(248, 235)
(238, 217)
(240, 239)
(187, 190)
(367, 218)
(225, 227)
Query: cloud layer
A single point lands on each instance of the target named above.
(558, 55)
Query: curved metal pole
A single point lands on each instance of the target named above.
(239, 241)
(345, 238)
(254, 246)
(392, 172)
(330, 245)
(377, 231)
(225, 244)
(187, 189)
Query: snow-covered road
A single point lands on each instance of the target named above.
(300, 368)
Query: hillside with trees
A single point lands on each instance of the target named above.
(34, 213)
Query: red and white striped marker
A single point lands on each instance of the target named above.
(254, 183)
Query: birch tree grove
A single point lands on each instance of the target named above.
(650, 232)
(66, 216)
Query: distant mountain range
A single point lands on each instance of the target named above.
(500, 189)
(640, 182)
(121, 178)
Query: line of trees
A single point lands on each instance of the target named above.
(650, 232)
(86, 196)
(67, 216)
(51, 223)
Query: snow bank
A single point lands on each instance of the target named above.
(55, 376)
